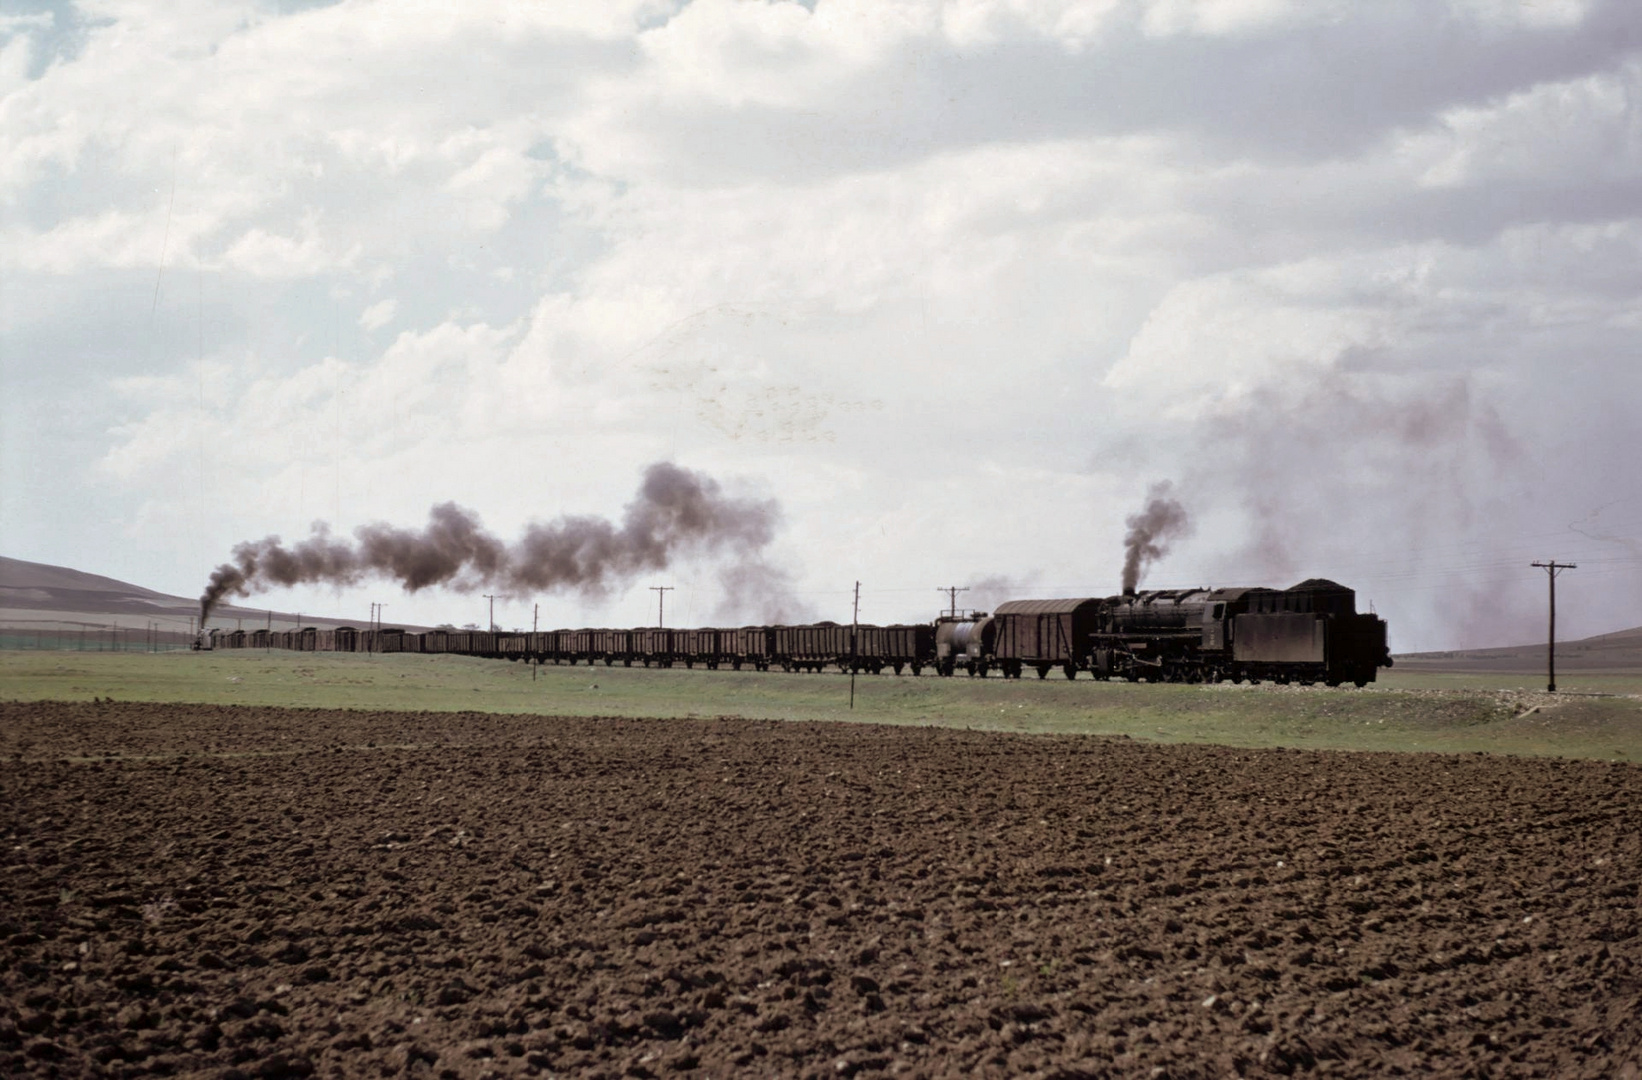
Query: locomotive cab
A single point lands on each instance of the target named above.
(1216, 627)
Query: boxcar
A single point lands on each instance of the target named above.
(1043, 635)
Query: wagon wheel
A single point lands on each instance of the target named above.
(917, 669)
(1069, 669)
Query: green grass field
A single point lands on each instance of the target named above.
(1595, 716)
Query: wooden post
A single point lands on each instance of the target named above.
(1552, 569)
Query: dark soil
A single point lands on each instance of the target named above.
(267, 893)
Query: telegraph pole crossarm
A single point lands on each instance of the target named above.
(1552, 569)
(661, 592)
(952, 592)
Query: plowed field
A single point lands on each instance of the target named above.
(260, 892)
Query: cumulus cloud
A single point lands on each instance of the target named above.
(954, 278)
(378, 314)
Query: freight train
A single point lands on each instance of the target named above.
(1309, 633)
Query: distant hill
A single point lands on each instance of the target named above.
(1620, 650)
(39, 596)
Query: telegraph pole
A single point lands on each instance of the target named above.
(855, 636)
(953, 591)
(661, 592)
(492, 600)
(535, 616)
(1552, 569)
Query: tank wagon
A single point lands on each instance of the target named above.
(1309, 633)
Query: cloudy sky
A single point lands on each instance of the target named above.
(955, 283)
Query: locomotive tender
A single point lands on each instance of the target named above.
(1309, 633)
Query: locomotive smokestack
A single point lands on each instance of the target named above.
(1159, 523)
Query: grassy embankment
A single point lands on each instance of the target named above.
(1496, 713)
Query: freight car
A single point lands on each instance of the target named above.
(1309, 633)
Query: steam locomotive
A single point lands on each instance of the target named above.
(1309, 633)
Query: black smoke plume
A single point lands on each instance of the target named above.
(675, 512)
(1160, 523)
